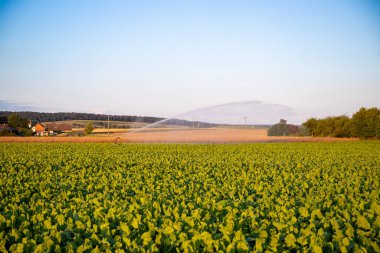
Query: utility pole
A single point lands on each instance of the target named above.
(193, 121)
(108, 124)
(245, 121)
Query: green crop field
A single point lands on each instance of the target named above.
(310, 197)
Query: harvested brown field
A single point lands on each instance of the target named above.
(209, 135)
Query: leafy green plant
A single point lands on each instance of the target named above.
(314, 197)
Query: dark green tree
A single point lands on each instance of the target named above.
(311, 125)
(89, 128)
(279, 129)
(365, 123)
(19, 125)
(15, 121)
(342, 126)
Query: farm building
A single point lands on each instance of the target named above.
(50, 128)
(39, 129)
(55, 127)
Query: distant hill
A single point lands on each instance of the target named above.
(38, 117)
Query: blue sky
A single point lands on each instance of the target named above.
(163, 58)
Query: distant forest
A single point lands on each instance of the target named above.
(38, 117)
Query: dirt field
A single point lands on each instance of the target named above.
(212, 135)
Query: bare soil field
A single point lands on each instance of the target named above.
(209, 135)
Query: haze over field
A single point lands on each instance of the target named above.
(164, 58)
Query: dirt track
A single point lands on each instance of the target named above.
(189, 136)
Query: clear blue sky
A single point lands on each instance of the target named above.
(163, 58)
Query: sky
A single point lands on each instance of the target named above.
(165, 58)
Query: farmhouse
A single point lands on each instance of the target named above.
(39, 129)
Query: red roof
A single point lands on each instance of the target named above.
(39, 127)
(58, 127)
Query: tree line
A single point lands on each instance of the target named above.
(364, 124)
(38, 117)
